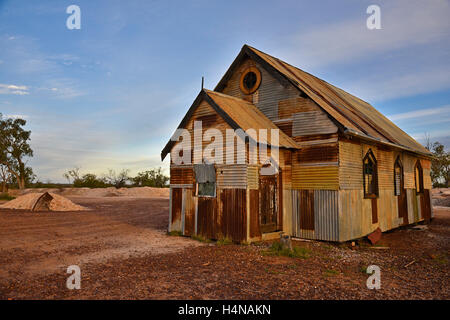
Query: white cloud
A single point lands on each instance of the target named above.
(13, 89)
(421, 113)
(404, 24)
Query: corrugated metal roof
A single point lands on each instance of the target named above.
(248, 116)
(354, 114)
(239, 114)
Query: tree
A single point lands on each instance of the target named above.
(440, 165)
(14, 148)
(151, 178)
(117, 180)
(5, 177)
(73, 174)
(90, 180)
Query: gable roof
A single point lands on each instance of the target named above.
(238, 113)
(351, 114)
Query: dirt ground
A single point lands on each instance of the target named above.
(124, 252)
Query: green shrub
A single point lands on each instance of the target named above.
(224, 241)
(277, 249)
(330, 272)
(175, 233)
(200, 238)
(5, 196)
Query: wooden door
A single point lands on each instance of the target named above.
(268, 203)
(400, 191)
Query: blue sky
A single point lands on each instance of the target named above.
(110, 94)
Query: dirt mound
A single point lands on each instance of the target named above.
(138, 192)
(441, 197)
(42, 202)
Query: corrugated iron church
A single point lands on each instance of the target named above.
(342, 169)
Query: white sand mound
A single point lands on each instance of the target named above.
(136, 192)
(42, 202)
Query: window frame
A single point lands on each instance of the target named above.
(417, 166)
(369, 155)
(398, 163)
(242, 86)
(205, 196)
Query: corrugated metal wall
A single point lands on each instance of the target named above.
(325, 215)
(232, 176)
(252, 177)
(315, 177)
(268, 94)
(234, 214)
(312, 122)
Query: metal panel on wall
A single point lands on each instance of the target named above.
(325, 215)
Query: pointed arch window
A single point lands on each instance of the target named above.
(370, 176)
(418, 177)
(398, 177)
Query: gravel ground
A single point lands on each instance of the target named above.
(124, 253)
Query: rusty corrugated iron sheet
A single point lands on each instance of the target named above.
(181, 175)
(354, 116)
(315, 214)
(350, 111)
(248, 116)
(234, 214)
(232, 176)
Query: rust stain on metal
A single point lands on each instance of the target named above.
(177, 199)
(207, 217)
(255, 230)
(374, 210)
(317, 154)
(180, 175)
(307, 209)
(234, 214)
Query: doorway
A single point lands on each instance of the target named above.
(268, 203)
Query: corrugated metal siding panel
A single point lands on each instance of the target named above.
(188, 212)
(181, 175)
(355, 215)
(316, 177)
(254, 213)
(268, 94)
(408, 171)
(326, 215)
(322, 153)
(350, 165)
(233, 176)
(252, 177)
(427, 184)
(234, 214)
(312, 122)
(287, 107)
(176, 201)
(207, 217)
(385, 164)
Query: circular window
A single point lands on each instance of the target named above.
(250, 80)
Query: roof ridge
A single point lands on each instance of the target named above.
(310, 74)
(227, 96)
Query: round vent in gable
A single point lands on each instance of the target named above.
(250, 80)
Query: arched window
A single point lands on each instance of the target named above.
(370, 177)
(418, 177)
(398, 177)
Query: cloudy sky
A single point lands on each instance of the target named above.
(110, 94)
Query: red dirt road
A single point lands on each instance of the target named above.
(124, 253)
